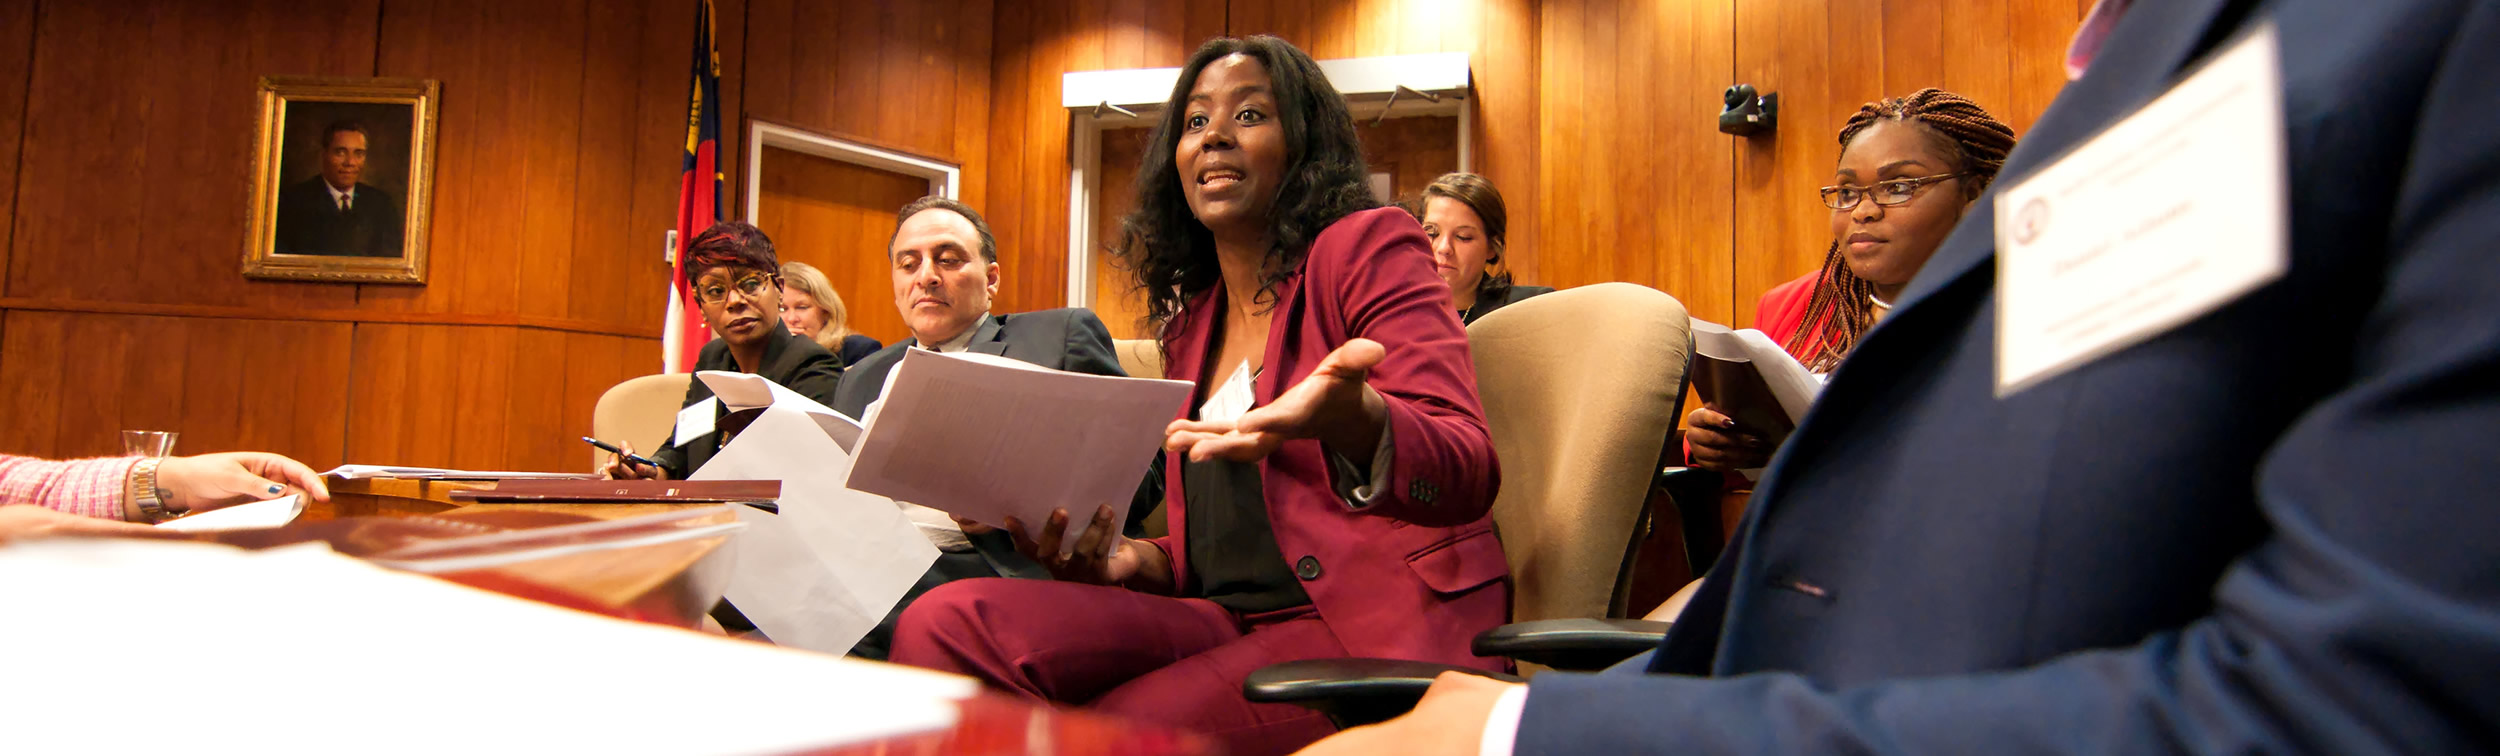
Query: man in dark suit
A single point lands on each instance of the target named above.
(2263, 530)
(335, 213)
(945, 273)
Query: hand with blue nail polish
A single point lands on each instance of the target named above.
(209, 481)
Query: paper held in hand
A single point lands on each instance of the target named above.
(985, 438)
(821, 572)
(1750, 379)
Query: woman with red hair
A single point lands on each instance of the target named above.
(737, 283)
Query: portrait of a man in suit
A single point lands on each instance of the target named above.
(335, 212)
(342, 179)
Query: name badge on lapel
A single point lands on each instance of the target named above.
(696, 420)
(2161, 219)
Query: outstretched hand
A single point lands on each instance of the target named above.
(209, 481)
(1333, 404)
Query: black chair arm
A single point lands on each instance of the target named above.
(1351, 691)
(1576, 645)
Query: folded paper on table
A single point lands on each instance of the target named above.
(386, 661)
(747, 391)
(986, 438)
(253, 516)
(1750, 379)
(821, 573)
(361, 472)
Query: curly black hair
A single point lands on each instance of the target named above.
(1171, 254)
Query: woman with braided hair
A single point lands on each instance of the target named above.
(1909, 168)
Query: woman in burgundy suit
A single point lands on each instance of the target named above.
(1328, 486)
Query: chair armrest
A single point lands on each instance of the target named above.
(1351, 691)
(1576, 645)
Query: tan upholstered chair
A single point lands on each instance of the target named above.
(1581, 391)
(1140, 358)
(1581, 388)
(640, 411)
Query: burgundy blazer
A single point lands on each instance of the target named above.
(1417, 573)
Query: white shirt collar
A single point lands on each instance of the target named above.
(338, 195)
(962, 341)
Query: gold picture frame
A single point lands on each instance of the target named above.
(375, 137)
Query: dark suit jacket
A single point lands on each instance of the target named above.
(2267, 530)
(309, 222)
(1418, 572)
(1509, 296)
(856, 347)
(1069, 339)
(792, 360)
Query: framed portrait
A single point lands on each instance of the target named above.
(342, 179)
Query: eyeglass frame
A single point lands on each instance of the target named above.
(1917, 186)
(738, 286)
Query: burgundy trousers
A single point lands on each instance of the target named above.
(1172, 661)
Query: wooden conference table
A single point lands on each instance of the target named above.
(989, 725)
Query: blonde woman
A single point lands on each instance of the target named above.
(811, 308)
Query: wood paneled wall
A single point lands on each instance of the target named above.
(121, 175)
(1596, 118)
(1827, 57)
(839, 217)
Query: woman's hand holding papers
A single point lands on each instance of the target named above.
(1102, 556)
(1333, 405)
(1718, 444)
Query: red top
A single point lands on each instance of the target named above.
(1783, 310)
(1418, 572)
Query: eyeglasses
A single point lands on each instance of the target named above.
(1885, 193)
(752, 285)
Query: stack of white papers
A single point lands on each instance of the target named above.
(986, 438)
(297, 650)
(821, 573)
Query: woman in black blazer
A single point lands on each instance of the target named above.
(1463, 215)
(737, 283)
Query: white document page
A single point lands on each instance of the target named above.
(297, 650)
(2168, 215)
(258, 515)
(745, 391)
(985, 438)
(362, 472)
(1790, 382)
(821, 573)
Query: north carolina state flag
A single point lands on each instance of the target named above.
(698, 198)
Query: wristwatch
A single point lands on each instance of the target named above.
(144, 491)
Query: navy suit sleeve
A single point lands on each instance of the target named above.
(2368, 622)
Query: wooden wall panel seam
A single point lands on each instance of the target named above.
(31, 304)
(17, 143)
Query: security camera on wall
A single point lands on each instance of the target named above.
(1748, 113)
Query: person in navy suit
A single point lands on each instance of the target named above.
(2264, 530)
(1329, 487)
